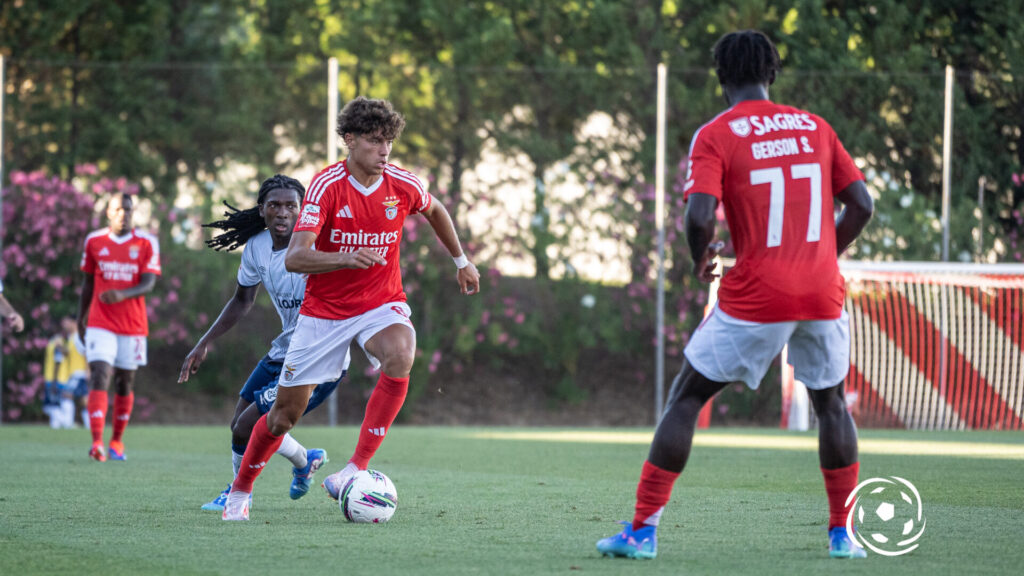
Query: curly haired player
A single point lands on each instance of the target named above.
(347, 241)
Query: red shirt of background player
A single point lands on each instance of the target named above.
(775, 169)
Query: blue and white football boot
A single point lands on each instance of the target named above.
(840, 545)
(315, 458)
(641, 543)
(217, 504)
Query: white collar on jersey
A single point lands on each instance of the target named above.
(120, 239)
(365, 191)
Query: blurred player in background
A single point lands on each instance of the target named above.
(66, 374)
(347, 240)
(120, 265)
(8, 314)
(265, 231)
(776, 170)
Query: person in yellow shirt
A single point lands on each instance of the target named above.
(67, 375)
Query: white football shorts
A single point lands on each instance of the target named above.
(727, 349)
(319, 350)
(118, 350)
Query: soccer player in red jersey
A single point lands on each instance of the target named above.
(347, 240)
(121, 265)
(777, 171)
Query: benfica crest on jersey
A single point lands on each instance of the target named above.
(391, 207)
(133, 252)
(740, 127)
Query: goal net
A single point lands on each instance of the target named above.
(936, 346)
(933, 346)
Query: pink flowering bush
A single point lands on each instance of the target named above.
(45, 222)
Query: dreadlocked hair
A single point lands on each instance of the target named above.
(365, 116)
(746, 57)
(241, 225)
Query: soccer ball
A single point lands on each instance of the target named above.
(368, 497)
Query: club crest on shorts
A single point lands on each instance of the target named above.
(740, 127)
(391, 207)
(289, 373)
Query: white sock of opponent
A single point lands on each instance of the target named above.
(236, 462)
(293, 451)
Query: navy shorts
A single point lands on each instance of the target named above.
(261, 387)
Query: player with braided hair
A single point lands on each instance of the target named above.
(777, 171)
(265, 231)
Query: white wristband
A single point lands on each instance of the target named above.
(460, 261)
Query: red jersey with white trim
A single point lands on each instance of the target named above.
(346, 216)
(775, 169)
(116, 263)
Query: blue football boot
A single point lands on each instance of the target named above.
(315, 458)
(217, 504)
(840, 545)
(629, 543)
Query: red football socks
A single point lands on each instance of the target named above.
(382, 408)
(652, 493)
(262, 445)
(97, 414)
(122, 413)
(839, 483)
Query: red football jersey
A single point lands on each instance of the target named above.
(117, 263)
(347, 216)
(775, 169)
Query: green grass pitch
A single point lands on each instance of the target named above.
(495, 501)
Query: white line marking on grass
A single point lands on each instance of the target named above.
(989, 450)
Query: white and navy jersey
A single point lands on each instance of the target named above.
(262, 265)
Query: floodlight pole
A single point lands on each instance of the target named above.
(332, 157)
(659, 224)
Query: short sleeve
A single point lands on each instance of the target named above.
(844, 170)
(316, 206)
(88, 264)
(153, 260)
(248, 271)
(705, 169)
(419, 198)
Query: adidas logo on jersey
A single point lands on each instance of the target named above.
(377, 431)
(345, 212)
(104, 252)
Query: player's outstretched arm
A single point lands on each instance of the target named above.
(147, 280)
(467, 276)
(700, 231)
(857, 209)
(301, 258)
(238, 306)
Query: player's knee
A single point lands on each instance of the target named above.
(398, 365)
(828, 403)
(281, 420)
